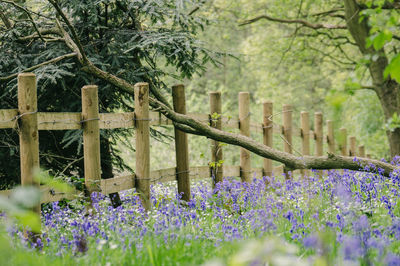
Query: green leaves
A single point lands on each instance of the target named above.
(393, 69)
(378, 40)
(393, 122)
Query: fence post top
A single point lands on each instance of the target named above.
(27, 74)
(215, 93)
(267, 102)
(90, 87)
(304, 112)
(244, 93)
(178, 86)
(318, 113)
(141, 84)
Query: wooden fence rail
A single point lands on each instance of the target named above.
(30, 122)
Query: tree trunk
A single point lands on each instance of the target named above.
(387, 90)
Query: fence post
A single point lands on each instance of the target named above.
(343, 141)
(305, 137)
(353, 146)
(287, 131)
(268, 127)
(28, 134)
(244, 125)
(181, 145)
(318, 128)
(91, 138)
(142, 127)
(216, 149)
(361, 151)
(287, 127)
(330, 139)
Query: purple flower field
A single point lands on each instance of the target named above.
(345, 218)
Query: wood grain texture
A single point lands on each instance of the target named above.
(7, 118)
(287, 112)
(216, 150)
(142, 180)
(330, 138)
(59, 121)
(28, 129)
(268, 134)
(343, 142)
(318, 130)
(181, 145)
(91, 137)
(244, 119)
(353, 146)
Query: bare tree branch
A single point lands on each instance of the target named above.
(328, 13)
(43, 32)
(5, 20)
(29, 15)
(71, 28)
(295, 21)
(52, 61)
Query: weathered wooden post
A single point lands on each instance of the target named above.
(330, 138)
(91, 138)
(353, 146)
(142, 127)
(318, 131)
(287, 128)
(181, 145)
(305, 138)
(343, 141)
(287, 131)
(319, 137)
(244, 125)
(268, 127)
(216, 149)
(361, 151)
(28, 129)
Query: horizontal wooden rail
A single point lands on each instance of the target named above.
(71, 121)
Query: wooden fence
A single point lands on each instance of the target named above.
(29, 122)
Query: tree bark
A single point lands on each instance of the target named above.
(387, 89)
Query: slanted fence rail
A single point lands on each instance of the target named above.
(28, 122)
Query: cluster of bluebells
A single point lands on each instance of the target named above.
(359, 211)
